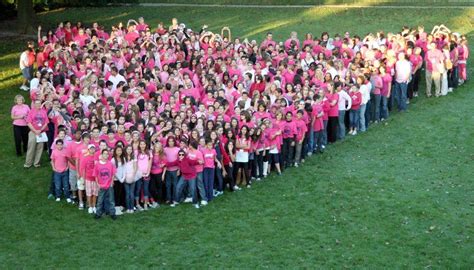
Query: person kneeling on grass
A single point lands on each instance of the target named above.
(104, 172)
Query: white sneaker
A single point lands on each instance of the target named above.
(296, 165)
(139, 208)
(90, 210)
(249, 186)
(258, 179)
(69, 200)
(94, 210)
(237, 187)
(196, 206)
(172, 205)
(355, 132)
(58, 199)
(81, 206)
(203, 203)
(155, 205)
(188, 200)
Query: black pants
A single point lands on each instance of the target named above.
(245, 168)
(332, 128)
(157, 187)
(288, 152)
(229, 178)
(260, 159)
(20, 133)
(119, 194)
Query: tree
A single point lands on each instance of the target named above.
(26, 16)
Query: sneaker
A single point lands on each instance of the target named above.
(203, 203)
(26, 166)
(139, 208)
(90, 211)
(69, 201)
(81, 206)
(259, 179)
(296, 165)
(50, 196)
(188, 200)
(58, 199)
(94, 210)
(145, 207)
(310, 154)
(154, 205)
(172, 205)
(249, 186)
(236, 188)
(196, 206)
(355, 132)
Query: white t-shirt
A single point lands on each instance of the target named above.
(23, 59)
(365, 91)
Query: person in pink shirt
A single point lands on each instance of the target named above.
(356, 97)
(434, 67)
(171, 177)
(289, 137)
(104, 172)
(301, 129)
(37, 120)
(317, 122)
(333, 114)
(157, 173)
(87, 165)
(144, 160)
(210, 160)
(59, 163)
(195, 154)
(19, 114)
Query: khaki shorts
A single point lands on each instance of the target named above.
(80, 183)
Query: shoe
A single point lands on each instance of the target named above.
(69, 201)
(188, 200)
(259, 179)
(249, 186)
(94, 210)
(145, 207)
(296, 165)
(310, 154)
(90, 211)
(139, 208)
(81, 206)
(203, 203)
(50, 196)
(58, 199)
(196, 206)
(97, 216)
(114, 217)
(252, 178)
(37, 165)
(154, 205)
(236, 188)
(26, 166)
(172, 205)
(355, 132)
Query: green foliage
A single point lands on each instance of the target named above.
(398, 196)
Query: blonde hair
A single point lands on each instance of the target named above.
(19, 97)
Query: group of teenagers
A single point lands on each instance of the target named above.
(135, 117)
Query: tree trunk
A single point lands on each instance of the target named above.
(26, 16)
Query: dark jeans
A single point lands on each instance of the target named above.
(453, 77)
(171, 179)
(129, 195)
(208, 178)
(288, 152)
(61, 183)
(20, 134)
(401, 95)
(354, 119)
(105, 202)
(229, 179)
(119, 194)
(259, 162)
(376, 107)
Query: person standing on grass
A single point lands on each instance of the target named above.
(171, 177)
(157, 174)
(27, 60)
(118, 160)
(386, 92)
(242, 155)
(317, 123)
(434, 67)
(210, 159)
(130, 172)
(87, 165)
(59, 163)
(144, 161)
(37, 121)
(289, 137)
(402, 78)
(365, 92)
(301, 129)
(356, 97)
(333, 99)
(195, 154)
(19, 113)
(104, 172)
(344, 104)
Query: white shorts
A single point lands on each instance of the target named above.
(80, 184)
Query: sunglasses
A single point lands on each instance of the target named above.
(181, 155)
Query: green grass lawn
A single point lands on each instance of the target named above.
(399, 196)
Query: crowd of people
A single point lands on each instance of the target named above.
(134, 118)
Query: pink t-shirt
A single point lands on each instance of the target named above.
(21, 111)
(104, 174)
(196, 155)
(59, 159)
(142, 162)
(209, 157)
(171, 154)
(38, 119)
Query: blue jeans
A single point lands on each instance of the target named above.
(138, 188)
(190, 185)
(106, 202)
(325, 132)
(61, 182)
(401, 95)
(384, 108)
(362, 126)
(341, 126)
(354, 118)
(376, 107)
(171, 179)
(129, 195)
(310, 138)
(208, 177)
(200, 186)
(318, 140)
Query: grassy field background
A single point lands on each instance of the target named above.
(398, 196)
(321, 2)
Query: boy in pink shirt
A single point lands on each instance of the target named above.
(104, 172)
(301, 130)
(210, 158)
(289, 136)
(59, 163)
